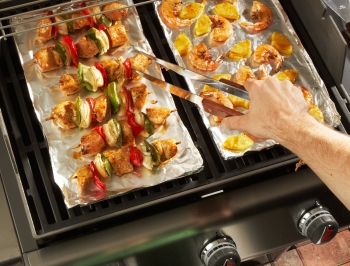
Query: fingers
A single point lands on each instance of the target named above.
(234, 122)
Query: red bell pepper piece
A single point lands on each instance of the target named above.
(127, 66)
(54, 27)
(136, 156)
(91, 103)
(129, 104)
(86, 12)
(100, 67)
(135, 127)
(99, 130)
(73, 50)
(97, 180)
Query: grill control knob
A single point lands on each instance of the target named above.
(220, 251)
(318, 225)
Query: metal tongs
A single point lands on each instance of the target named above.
(205, 104)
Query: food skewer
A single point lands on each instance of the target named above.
(45, 34)
(122, 133)
(122, 161)
(117, 99)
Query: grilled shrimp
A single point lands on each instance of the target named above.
(199, 57)
(222, 30)
(264, 54)
(307, 95)
(260, 12)
(169, 12)
(64, 115)
(243, 73)
(218, 97)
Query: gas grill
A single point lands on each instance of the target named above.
(255, 200)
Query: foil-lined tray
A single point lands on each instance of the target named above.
(299, 60)
(187, 161)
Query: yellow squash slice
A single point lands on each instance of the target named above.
(288, 74)
(240, 50)
(192, 10)
(182, 44)
(238, 102)
(281, 43)
(238, 143)
(226, 10)
(202, 25)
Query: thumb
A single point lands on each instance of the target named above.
(234, 122)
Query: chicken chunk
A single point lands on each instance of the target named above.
(47, 59)
(102, 108)
(114, 69)
(43, 34)
(64, 115)
(83, 176)
(91, 144)
(86, 47)
(128, 136)
(139, 95)
(69, 84)
(120, 160)
(117, 34)
(79, 23)
(139, 62)
(166, 148)
(158, 115)
(117, 14)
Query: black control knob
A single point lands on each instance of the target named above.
(318, 225)
(220, 251)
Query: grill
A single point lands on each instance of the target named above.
(40, 199)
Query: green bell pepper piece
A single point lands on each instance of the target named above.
(154, 153)
(107, 165)
(119, 141)
(92, 34)
(148, 125)
(105, 21)
(61, 51)
(113, 96)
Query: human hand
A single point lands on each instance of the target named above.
(275, 108)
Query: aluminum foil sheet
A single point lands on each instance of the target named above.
(299, 60)
(61, 142)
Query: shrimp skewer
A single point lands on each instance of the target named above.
(264, 54)
(169, 12)
(222, 30)
(264, 16)
(200, 58)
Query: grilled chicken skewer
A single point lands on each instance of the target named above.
(117, 134)
(45, 34)
(80, 114)
(122, 161)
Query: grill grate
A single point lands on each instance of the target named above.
(43, 197)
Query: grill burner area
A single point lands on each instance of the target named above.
(43, 197)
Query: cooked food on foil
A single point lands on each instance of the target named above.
(263, 16)
(183, 44)
(281, 43)
(45, 34)
(123, 161)
(170, 10)
(117, 100)
(240, 50)
(221, 29)
(200, 58)
(121, 133)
